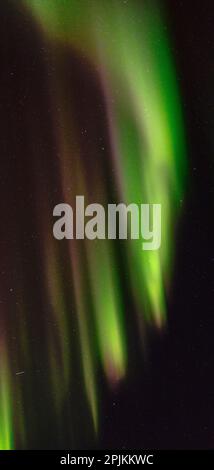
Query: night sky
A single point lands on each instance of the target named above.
(103, 345)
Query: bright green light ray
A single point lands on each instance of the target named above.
(6, 420)
(108, 311)
(150, 136)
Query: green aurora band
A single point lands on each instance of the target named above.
(127, 45)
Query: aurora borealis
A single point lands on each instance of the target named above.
(96, 110)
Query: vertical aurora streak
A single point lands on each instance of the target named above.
(6, 422)
(128, 49)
